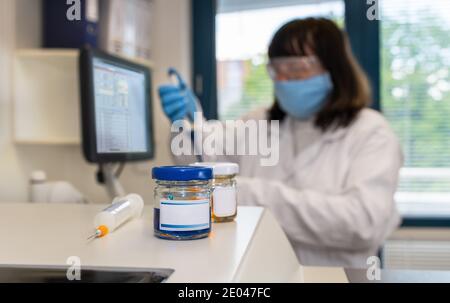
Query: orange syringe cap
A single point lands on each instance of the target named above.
(103, 231)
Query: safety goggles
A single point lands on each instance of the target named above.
(294, 68)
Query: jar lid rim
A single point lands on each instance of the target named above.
(182, 173)
(220, 168)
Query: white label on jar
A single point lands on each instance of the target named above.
(185, 215)
(224, 201)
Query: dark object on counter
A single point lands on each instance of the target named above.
(62, 274)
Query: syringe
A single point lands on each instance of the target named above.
(121, 210)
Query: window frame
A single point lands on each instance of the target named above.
(204, 71)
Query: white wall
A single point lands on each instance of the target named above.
(20, 24)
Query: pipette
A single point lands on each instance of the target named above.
(120, 211)
(173, 73)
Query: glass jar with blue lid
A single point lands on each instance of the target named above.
(182, 202)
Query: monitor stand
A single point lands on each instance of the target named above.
(106, 175)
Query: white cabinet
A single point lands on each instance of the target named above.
(46, 97)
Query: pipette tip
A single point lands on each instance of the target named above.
(100, 231)
(94, 235)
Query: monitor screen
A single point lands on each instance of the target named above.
(115, 108)
(119, 104)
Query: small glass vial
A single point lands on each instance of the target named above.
(183, 202)
(224, 202)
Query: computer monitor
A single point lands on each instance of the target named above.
(116, 109)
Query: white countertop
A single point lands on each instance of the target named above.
(48, 234)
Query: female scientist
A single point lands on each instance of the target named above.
(333, 187)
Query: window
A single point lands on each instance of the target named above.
(415, 94)
(244, 29)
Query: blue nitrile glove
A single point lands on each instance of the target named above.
(177, 101)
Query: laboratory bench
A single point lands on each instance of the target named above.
(253, 248)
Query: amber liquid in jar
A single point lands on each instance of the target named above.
(224, 200)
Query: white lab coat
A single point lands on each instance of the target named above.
(331, 192)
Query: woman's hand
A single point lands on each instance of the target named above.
(177, 100)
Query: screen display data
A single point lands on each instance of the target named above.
(120, 109)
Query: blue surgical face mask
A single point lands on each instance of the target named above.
(303, 98)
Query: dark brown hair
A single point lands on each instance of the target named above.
(351, 91)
